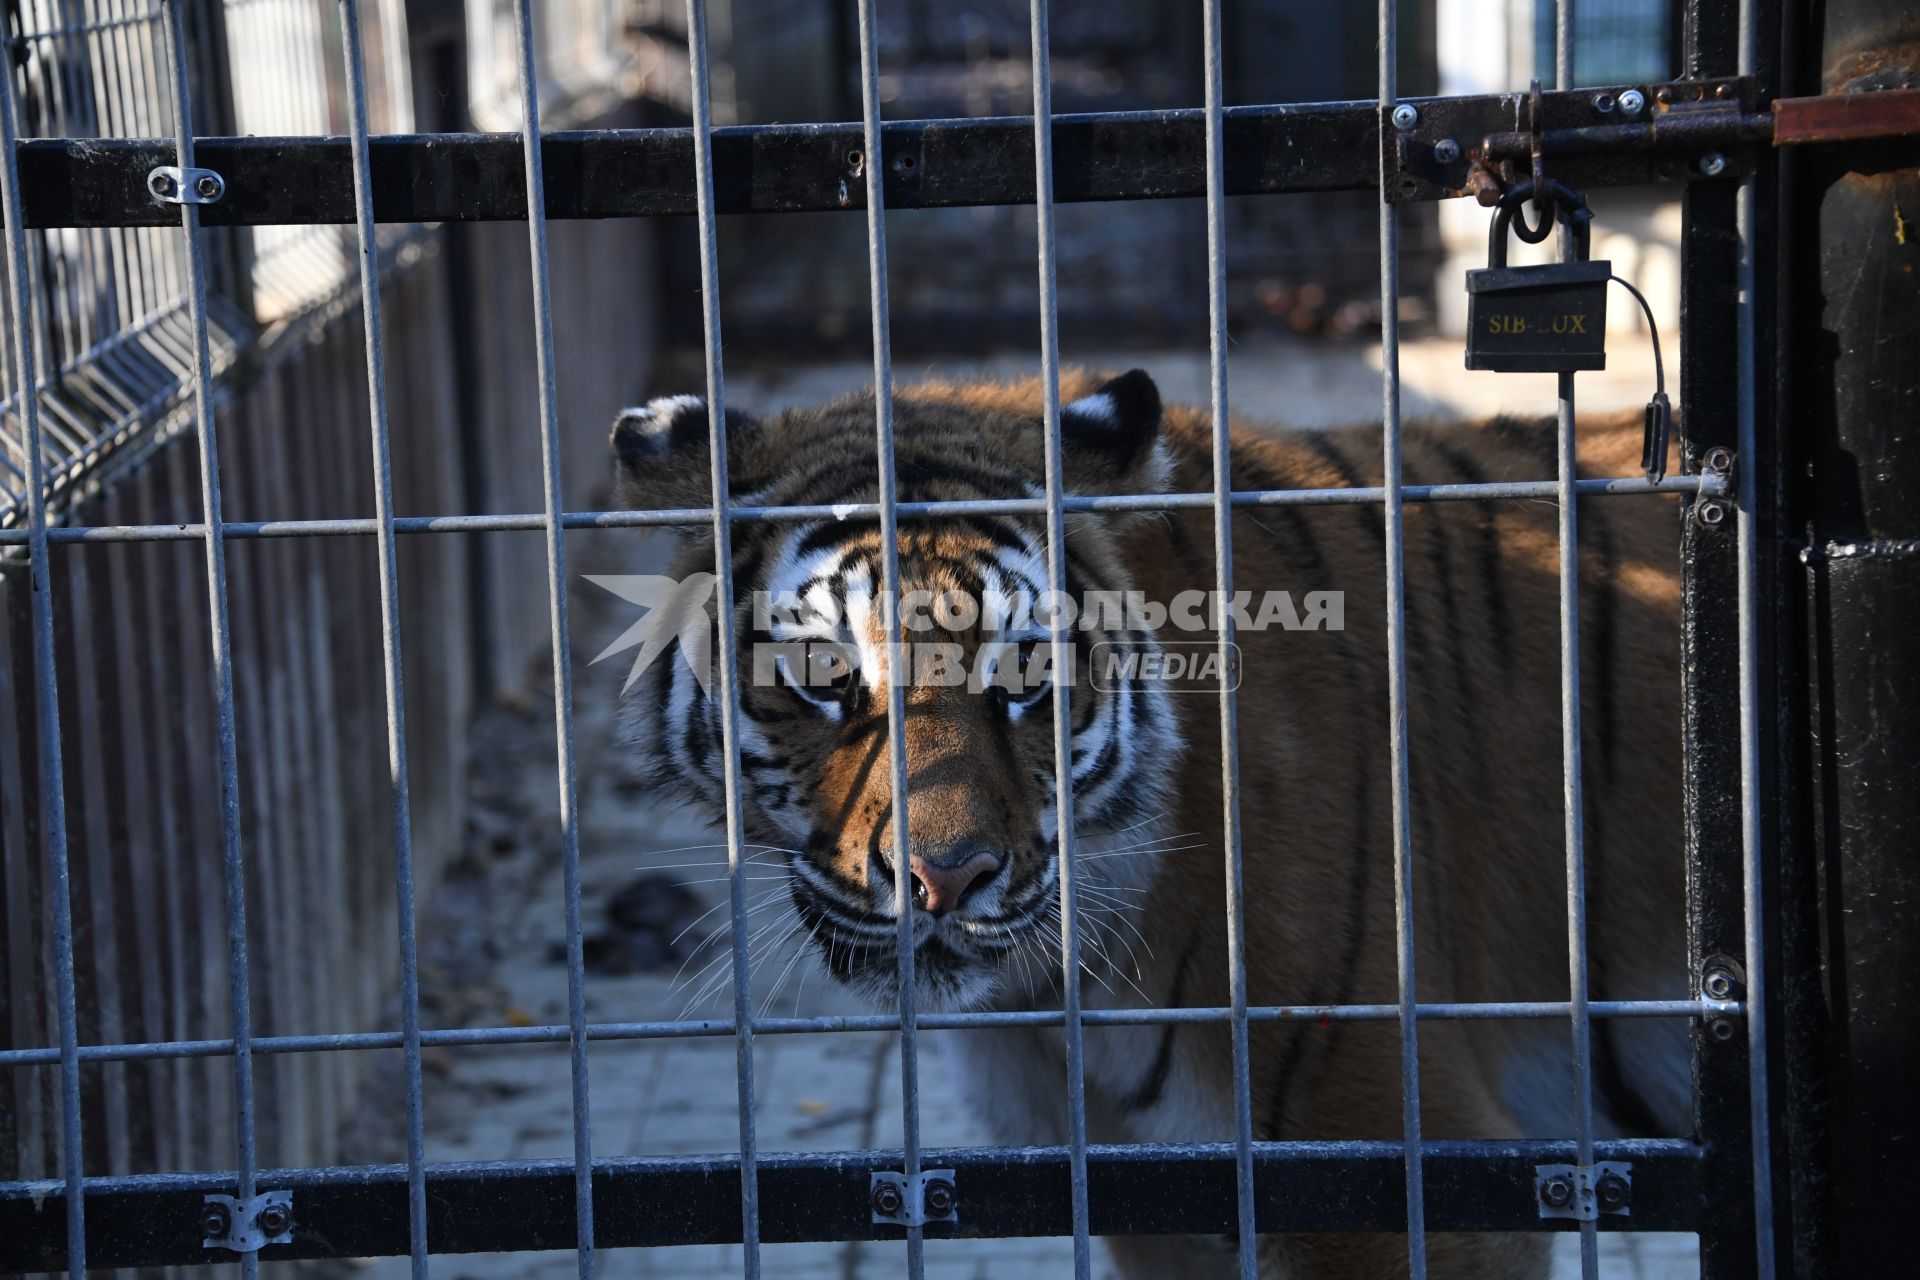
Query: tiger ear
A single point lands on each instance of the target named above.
(662, 453)
(1111, 438)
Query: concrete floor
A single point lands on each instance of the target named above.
(816, 1092)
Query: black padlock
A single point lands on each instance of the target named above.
(1550, 318)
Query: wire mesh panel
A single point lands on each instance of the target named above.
(85, 300)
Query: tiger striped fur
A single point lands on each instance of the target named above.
(1315, 791)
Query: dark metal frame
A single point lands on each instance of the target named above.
(1708, 1186)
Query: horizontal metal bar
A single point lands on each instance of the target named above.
(764, 168)
(1847, 117)
(360, 1211)
(1457, 1011)
(785, 168)
(1709, 486)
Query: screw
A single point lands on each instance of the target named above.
(1556, 1193)
(1713, 164)
(274, 1220)
(1722, 1029)
(1446, 151)
(938, 1197)
(1613, 1191)
(1723, 91)
(1405, 116)
(161, 184)
(1603, 103)
(886, 1199)
(1631, 102)
(215, 1221)
(1719, 460)
(1712, 513)
(1718, 984)
(208, 186)
(1663, 95)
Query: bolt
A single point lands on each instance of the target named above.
(273, 1220)
(938, 1197)
(1405, 116)
(1663, 95)
(1718, 984)
(1556, 1193)
(1446, 151)
(1719, 460)
(1631, 102)
(1722, 1029)
(1712, 513)
(1724, 91)
(1713, 164)
(161, 184)
(1613, 1191)
(215, 1221)
(1603, 103)
(208, 186)
(886, 1199)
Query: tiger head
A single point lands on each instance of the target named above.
(976, 665)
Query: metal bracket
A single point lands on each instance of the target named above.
(1584, 1192)
(247, 1226)
(914, 1202)
(1480, 145)
(171, 184)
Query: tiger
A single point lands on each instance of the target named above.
(1315, 785)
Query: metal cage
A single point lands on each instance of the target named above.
(170, 196)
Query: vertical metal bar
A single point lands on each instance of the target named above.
(898, 665)
(698, 56)
(216, 549)
(1060, 641)
(1748, 454)
(1223, 589)
(1395, 537)
(390, 639)
(53, 790)
(557, 626)
(1572, 801)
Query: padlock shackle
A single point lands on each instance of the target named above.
(1563, 205)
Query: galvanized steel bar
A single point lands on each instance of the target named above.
(558, 638)
(1747, 456)
(1396, 549)
(727, 639)
(1060, 641)
(898, 665)
(1235, 870)
(53, 787)
(390, 654)
(1706, 486)
(219, 625)
(1572, 801)
(683, 1028)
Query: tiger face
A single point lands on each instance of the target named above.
(976, 668)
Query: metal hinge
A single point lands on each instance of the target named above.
(1584, 1192)
(247, 1226)
(914, 1202)
(174, 185)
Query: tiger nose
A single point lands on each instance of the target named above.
(943, 881)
